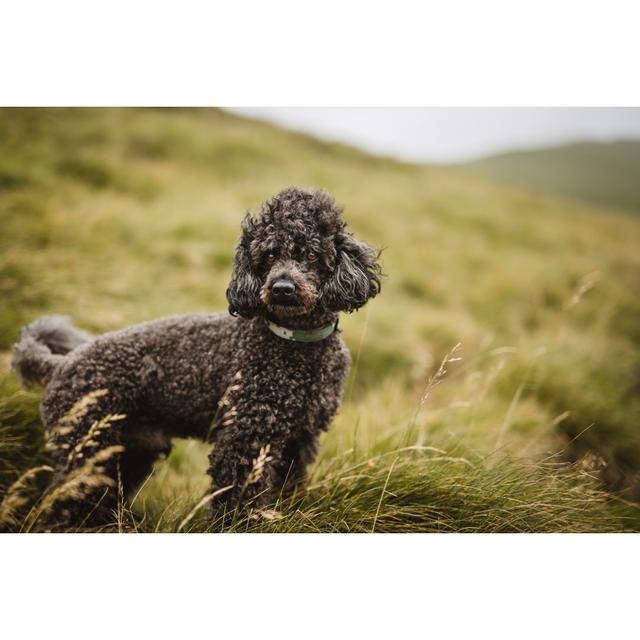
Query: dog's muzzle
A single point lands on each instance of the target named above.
(283, 292)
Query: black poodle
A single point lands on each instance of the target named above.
(261, 383)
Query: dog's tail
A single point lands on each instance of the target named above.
(43, 346)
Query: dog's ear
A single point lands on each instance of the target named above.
(243, 293)
(356, 277)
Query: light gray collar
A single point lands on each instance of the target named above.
(303, 335)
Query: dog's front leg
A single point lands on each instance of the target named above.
(255, 453)
(264, 436)
(248, 471)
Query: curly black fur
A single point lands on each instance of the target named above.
(223, 378)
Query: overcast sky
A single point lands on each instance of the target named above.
(454, 134)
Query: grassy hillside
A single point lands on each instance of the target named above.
(606, 174)
(119, 216)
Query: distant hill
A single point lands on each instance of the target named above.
(602, 173)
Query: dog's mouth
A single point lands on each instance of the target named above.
(287, 310)
(286, 306)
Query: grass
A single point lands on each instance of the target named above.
(119, 216)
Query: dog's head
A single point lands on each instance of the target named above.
(295, 257)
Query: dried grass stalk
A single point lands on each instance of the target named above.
(225, 413)
(70, 420)
(259, 464)
(81, 481)
(91, 438)
(436, 378)
(587, 282)
(15, 497)
(201, 504)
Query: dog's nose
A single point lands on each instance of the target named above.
(283, 289)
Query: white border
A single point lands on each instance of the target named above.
(312, 586)
(329, 53)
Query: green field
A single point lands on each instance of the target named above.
(606, 174)
(119, 216)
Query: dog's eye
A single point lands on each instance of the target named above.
(311, 257)
(270, 257)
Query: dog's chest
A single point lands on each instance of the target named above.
(308, 368)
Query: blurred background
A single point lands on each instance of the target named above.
(587, 153)
(512, 232)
